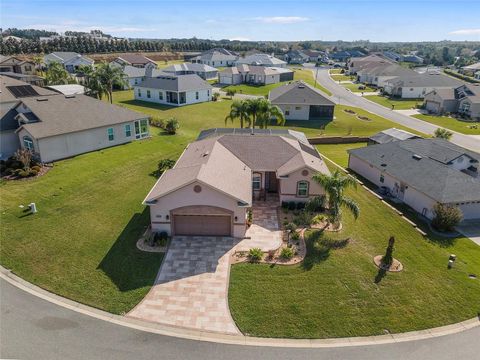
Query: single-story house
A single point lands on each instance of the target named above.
(464, 99)
(135, 75)
(389, 135)
(261, 60)
(30, 79)
(296, 57)
(378, 75)
(12, 64)
(71, 61)
(422, 173)
(68, 89)
(59, 126)
(469, 101)
(301, 101)
(345, 55)
(216, 57)
(316, 55)
(358, 63)
(175, 90)
(403, 58)
(416, 86)
(471, 70)
(136, 60)
(253, 74)
(206, 72)
(440, 101)
(218, 177)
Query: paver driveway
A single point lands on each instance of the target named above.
(191, 287)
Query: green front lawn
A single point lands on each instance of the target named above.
(399, 103)
(339, 292)
(342, 77)
(354, 88)
(452, 124)
(338, 152)
(263, 90)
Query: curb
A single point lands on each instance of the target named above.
(190, 334)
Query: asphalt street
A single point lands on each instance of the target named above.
(32, 328)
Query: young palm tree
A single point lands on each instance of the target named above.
(443, 134)
(253, 108)
(38, 60)
(92, 83)
(57, 75)
(334, 186)
(110, 76)
(268, 112)
(239, 110)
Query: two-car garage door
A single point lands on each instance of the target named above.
(202, 225)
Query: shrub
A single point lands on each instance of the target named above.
(291, 227)
(295, 236)
(302, 219)
(446, 217)
(443, 134)
(300, 205)
(291, 205)
(287, 253)
(36, 168)
(157, 122)
(215, 96)
(25, 157)
(231, 92)
(164, 165)
(271, 254)
(32, 172)
(316, 204)
(285, 205)
(171, 126)
(255, 254)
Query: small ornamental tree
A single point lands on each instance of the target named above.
(171, 126)
(164, 165)
(446, 217)
(25, 157)
(443, 134)
(387, 259)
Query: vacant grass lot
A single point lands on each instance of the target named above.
(263, 90)
(338, 152)
(399, 104)
(339, 292)
(451, 123)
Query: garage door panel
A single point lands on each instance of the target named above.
(202, 225)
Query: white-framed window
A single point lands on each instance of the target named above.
(382, 179)
(196, 95)
(136, 81)
(28, 143)
(302, 188)
(139, 92)
(111, 135)
(160, 95)
(298, 107)
(148, 94)
(257, 181)
(128, 130)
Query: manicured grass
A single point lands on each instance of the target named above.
(163, 64)
(335, 71)
(339, 292)
(263, 90)
(399, 104)
(354, 88)
(338, 152)
(452, 124)
(342, 77)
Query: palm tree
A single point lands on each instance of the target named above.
(239, 110)
(443, 134)
(334, 186)
(91, 81)
(110, 76)
(57, 75)
(267, 112)
(253, 108)
(38, 60)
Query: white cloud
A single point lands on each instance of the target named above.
(281, 19)
(465, 32)
(239, 38)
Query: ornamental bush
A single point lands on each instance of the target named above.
(255, 254)
(446, 217)
(287, 253)
(171, 126)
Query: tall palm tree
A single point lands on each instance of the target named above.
(91, 81)
(253, 108)
(57, 75)
(268, 112)
(334, 186)
(110, 76)
(239, 110)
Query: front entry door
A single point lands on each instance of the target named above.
(271, 182)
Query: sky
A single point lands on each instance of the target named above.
(292, 20)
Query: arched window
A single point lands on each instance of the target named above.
(28, 143)
(302, 188)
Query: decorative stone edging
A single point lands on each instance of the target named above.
(142, 246)
(396, 266)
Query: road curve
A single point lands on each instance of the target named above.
(33, 328)
(341, 95)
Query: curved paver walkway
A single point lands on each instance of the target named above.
(192, 286)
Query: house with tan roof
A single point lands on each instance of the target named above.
(13, 64)
(221, 174)
(136, 60)
(254, 74)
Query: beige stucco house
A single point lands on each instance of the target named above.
(219, 175)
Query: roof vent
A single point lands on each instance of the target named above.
(42, 99)
(206, 153)
(416, 157)
(301, 86)
(69, 96)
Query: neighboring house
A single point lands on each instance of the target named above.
(372, 60)
(58, 127)
(345, 55)
(30, 79)
(253, 74)
(296, 57)
(12, 92)
(69, 89)
(216, 57)
(218, 177)
(415, 86)
(422, 173)
(71, 61)
(206, 72)
(135, 75)
(477, 75)
(411, 58)
(389, 135)
(471, 70)
(12, 64)
(175, 90)
(378, 75)
(464, 99)
(136, 60)
(261, 60)
(300, 101)
(316, 55)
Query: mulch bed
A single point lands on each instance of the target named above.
(43, 170)
(396, 266)
(363, 118)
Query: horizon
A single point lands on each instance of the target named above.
(280, 21)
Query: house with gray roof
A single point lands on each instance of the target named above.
(377, 74)
(221, 174)
(71, 61)
(301, 101)
(464, 100)
(469, 101)
(416, 86)
(261, 60)
(135, 75)
(13, 64)
(174, 90)
(254, 74)
(422, 173)
(216, 57)
(136, 60)
(206, 72)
